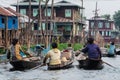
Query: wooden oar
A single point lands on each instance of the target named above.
(109, 64)
(4, 61)
(35, 67)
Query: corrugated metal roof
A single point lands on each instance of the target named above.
(65, 3)
(57, 4)
(60, 19)
(27, 4)
(6, 12)
(13, 11)
(23, 18)
(99, 18)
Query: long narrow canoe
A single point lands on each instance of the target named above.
(64, 65)
(24, 65)
(90, 65)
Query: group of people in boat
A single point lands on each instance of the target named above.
(56, 57)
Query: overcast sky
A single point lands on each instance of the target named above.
(104, 6)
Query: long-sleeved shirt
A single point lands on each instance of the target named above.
(93, 51)
(111, 49)
(54, 56)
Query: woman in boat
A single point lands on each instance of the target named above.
(54, 54)
(68, 52)
(112, 50)
(94, 55)
(69, 47)
(15, 50)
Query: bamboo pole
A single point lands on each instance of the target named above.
(51, 21)
(40, 20)
(6, 32)
(46, 9)
(29, 26)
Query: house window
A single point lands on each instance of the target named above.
(22, 25)
(37, 0)
(32, 28)
(43, 26)
(92, 33)
(92, 24)
(35, 12)
(35, 26)
(13, 21)
(68, 28)
(107, 25)
(3, 20)
(23, 11)
(102, 33)
(48, 12)
(109, 33)
(68, 13)
(100, 25)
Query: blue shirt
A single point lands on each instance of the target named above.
(93, 51)
(111, 49)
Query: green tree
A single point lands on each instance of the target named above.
(116, 18)
(106, 16)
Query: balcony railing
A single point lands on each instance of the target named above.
(39, 32)
(58, 33)
(49, 32)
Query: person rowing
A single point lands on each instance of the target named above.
(56, 61)
(93, 61)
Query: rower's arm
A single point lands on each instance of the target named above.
(46, 57)
(99, 52)
(85, 50)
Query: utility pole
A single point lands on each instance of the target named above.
(96, 10)
(95, 21)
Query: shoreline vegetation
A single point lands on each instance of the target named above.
(61, 46)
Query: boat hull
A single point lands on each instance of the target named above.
(90, 64)
(64, 65)
(24, 65)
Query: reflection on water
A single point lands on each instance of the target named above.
(3, 57)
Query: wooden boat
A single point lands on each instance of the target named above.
(110, 55)
(24, 65)
(90, 65)
(64, 65)
(117, 52)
